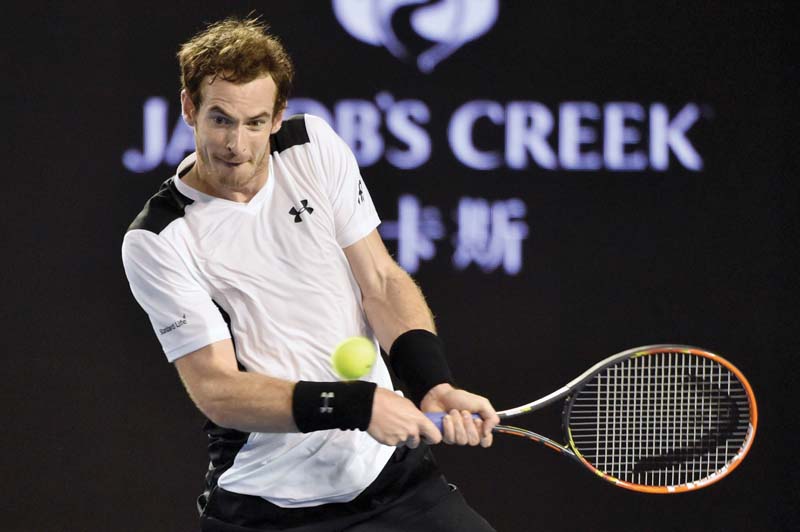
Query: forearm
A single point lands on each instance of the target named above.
(248, 402)
(398, 306)
(252, 402)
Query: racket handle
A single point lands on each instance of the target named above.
(436, 417)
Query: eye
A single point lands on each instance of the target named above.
(220, 120)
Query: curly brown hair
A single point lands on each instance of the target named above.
(239, 51)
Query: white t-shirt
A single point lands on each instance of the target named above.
(276, 267)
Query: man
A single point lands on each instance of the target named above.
(253, 262)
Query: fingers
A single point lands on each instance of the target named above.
(412, 442)
(397, 422)
(429, 432)
(486, 438)
(471, 426)
(490, 419)
(452, 428)
(460, 428)
(423, 431)
(426, 432)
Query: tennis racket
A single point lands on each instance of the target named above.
(654, 419)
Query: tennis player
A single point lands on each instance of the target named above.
(253, 262)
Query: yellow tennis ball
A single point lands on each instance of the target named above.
(354, 357)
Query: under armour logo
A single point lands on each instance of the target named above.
(360, 192)
(305, 208)
(427, 32)
(326, 408)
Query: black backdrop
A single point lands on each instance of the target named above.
(98, 432)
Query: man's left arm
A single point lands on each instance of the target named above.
(394, 305)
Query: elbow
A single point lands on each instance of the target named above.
(215, 406)
(211, 379)
(217, 414)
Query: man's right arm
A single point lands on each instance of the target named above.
(251, 402)
(245, 401)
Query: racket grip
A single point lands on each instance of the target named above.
(437, 417)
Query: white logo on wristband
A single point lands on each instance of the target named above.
(326, 408)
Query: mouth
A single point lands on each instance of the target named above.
(231, 164)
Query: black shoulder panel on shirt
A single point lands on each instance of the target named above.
(166, 205)
(293, 132)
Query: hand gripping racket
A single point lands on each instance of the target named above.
(654, 419)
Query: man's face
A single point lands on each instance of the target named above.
(231, 131)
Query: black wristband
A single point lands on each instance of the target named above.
(417, 357)
(332, 405)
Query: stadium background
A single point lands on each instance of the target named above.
(98, 432)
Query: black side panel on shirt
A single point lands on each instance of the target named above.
(160, 210)
(227, 318)
(409, 485)
(293, 132)
(223, 443)
(223, 446)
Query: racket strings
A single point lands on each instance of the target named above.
(667, 418)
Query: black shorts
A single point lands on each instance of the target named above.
(410, 494)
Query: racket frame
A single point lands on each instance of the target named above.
(574, 386)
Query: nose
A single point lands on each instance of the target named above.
(235, 144)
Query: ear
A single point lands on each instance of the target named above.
(187, 108)
(277, 122)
